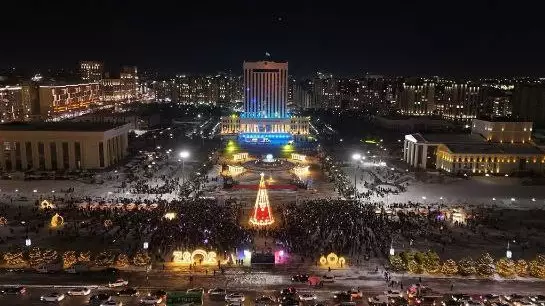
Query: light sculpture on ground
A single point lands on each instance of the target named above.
(262, 215)
(57, 220)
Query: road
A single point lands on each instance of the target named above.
(253, 285)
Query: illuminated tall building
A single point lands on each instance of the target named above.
(461, 101)
(417, 98)
(266, 89)
(91, 71)
(16, 103)
(265, 117)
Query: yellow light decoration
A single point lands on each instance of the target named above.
(104, 259)
(3, 221)
(521, 268)
(14, 258)
(332, 260)
(323, 261)
(57, 220)
(449, 267)
(185, 257)
(170, 216)
(45, 204)
(69, 258)
(505, 267)
(122, 260)
(84, 256)
(141, 259)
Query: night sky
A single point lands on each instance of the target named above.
(459, 38)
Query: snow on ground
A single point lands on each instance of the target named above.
(508, 192)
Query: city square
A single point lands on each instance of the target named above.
(287, 154)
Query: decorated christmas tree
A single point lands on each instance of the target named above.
(262, 211)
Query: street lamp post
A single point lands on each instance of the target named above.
(356, 157)
(183, 156)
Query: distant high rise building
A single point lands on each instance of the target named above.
(16, 103)
(461, 101)
(265, 118)
(266, 89)
(122, 89)
(528, 103)
(417, 97)
(324, 91)
(64, 101)
(91, 71)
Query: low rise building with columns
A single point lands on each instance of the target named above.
(420, 150)
(495, 147)
(62, 145)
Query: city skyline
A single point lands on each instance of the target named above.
(469, 39)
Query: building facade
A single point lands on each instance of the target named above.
(61, 146)
(503, 131)
(490, 158)
(91, 71)
(265, 89)
(265, 116)
(16, 103)
(461, 101)
(64, 101)
(417, 98)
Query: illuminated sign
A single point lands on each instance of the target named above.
(197, 256)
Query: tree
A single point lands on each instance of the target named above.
(466, 266)
(537, 266)
(141, 259)
(505, 267)
(407, 256)
(105, 259)
(449, 267)
(84, 256)
(521, 268)
(414, 267)
(122, 260)
(69, 258)
(14, 258)
(485, 265)
(397, 263)
(431, 263)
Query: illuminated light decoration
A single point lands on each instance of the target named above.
(262, 215)
(186, 257)
(14, 258)
(170, 216)
(141, 259)
(69, 258)
(301, 171)
(45, 204)
(122, 260)
(235, 170)
(240, 156)
(332, 260)
(3, 221)
(57, 220)
(84, 256)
